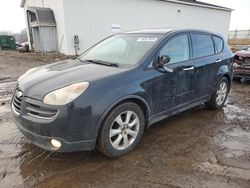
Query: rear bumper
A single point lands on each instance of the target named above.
(44, 142)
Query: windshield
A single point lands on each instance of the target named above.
(123, 50)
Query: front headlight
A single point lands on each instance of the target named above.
(66, 94)
(235, 65)
(27, 72)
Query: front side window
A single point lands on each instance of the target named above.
(218, 44)
(177, 49)
(124, 50)
(202, 45)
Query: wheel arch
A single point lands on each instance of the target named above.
(227, 76)
(140, 101)
(224, 71)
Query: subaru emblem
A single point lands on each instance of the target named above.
(19, 94)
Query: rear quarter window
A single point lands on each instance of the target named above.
(219, 44)
(202, 45)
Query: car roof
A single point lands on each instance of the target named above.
(151, 31)
(165, 31)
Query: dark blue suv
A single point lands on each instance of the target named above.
(109, 95)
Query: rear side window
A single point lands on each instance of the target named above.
(218, 44)
(202, 45)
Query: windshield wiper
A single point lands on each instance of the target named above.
(100, 62)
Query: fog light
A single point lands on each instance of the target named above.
(56, 143)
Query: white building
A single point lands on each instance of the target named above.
(54, 23)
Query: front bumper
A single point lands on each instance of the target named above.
(241, 74)
(44, 142)
(75, 130)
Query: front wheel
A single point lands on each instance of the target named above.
(219, 95)
(122, 130)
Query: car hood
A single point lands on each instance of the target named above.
(54, 76)
(243, 53)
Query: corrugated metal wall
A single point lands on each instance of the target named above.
(49, 39)
(36, 38)
(92, 19)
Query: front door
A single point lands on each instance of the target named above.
(174, 87)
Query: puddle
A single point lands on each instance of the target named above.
(237, 140)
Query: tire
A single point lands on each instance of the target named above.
(219, 95)
(117, 137)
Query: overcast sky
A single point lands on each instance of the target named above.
(241, 14)
(12, 16)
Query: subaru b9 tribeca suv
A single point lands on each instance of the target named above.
(109, 95)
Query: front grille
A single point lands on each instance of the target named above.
(17, 101)
(39, 111)
(31, 107)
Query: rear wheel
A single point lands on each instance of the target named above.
(122, 130)
(219, 95)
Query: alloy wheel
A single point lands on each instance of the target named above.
(124, 130)
(221, 93)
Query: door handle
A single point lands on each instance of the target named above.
(218, 61)
(188, 68)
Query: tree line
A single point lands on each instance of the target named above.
(20, 37)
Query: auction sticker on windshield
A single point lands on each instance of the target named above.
(147, 39)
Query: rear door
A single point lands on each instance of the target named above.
(203, 53)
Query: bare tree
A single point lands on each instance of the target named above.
(20, 37)
(5, 32)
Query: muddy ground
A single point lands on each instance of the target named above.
(198, 148)
(13, 64)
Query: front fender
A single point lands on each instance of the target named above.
(118, 101)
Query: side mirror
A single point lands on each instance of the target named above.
(165, 59)
(161, 63)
